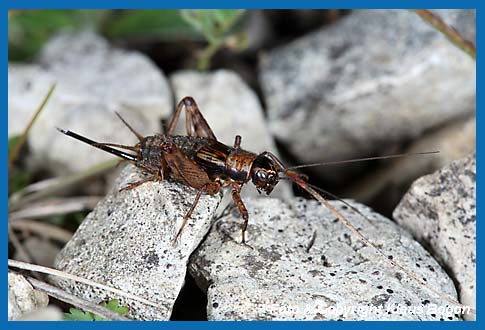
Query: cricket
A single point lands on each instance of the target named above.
(200, 161)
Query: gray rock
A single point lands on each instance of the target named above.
(287, 277)
(22, 298)
(373, 79)
(440, 211)
(126, 243)
(93, 81)
(230, 107)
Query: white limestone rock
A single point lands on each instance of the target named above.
(304, 262)
(440, 211)
(373, 79)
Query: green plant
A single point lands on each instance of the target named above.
(166, 25)
(28, 30)
(217, 27)
(79, 315)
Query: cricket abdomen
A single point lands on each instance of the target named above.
(151, 154)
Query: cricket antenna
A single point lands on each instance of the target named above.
(363, 159)
(101, 146)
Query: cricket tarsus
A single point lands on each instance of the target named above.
(200, 161)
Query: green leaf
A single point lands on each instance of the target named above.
(114, 305)
(78, 315)
(213, 24)
(216, 26)
(28, 30)
(165, 25)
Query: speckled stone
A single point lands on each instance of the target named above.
(373, 79)
(93, 80)
(440, 211)
(304, 262)
(126, 243)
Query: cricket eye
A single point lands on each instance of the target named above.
(261, 175)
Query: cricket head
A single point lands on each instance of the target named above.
(267, 170)
(264, 173)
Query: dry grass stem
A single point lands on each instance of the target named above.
(58, 273)
(75, 301)
(55, 206)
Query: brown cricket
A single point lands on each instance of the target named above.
(200, 161)
(197, 160)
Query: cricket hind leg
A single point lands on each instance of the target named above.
(190, 173)
(195, 122)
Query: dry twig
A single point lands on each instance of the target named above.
(451, 33)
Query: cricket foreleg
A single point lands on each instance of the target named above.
(236, 197)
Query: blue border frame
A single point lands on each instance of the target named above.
(273, 4)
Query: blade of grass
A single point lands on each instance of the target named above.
(452, 34)
(16, 149)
